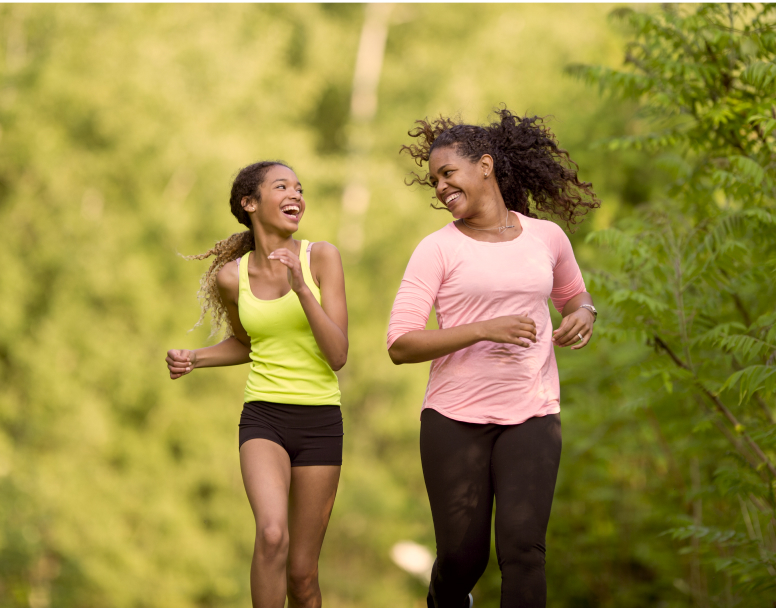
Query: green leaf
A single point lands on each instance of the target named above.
(752, 379)
(749, 169)
(766, 123)
(760, 75)
(640, 299)
(716, 334)
(763, 216)
(745, 346)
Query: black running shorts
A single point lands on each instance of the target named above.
(311, 434)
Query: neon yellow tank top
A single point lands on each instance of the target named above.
(286, 364)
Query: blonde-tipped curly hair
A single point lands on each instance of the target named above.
(246, 183)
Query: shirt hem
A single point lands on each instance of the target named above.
(481, 420)
(290, 400)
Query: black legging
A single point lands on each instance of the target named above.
(465, 465)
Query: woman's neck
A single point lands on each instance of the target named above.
(269, 241)
(491, 221)
(491, 213)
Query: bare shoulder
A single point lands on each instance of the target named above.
(228, 278)
(325, 254)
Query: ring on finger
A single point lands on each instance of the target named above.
(579, 335)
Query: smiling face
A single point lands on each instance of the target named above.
(281, 205)
(459, 183)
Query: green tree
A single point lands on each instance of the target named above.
(120, 126)
(693, 279)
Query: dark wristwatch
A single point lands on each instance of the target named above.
(592, 309)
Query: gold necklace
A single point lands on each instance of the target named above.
(499, 228)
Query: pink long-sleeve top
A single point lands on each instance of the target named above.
(468, 281)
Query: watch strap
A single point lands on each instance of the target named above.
(592, 309)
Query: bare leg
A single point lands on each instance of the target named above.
(266, 471)
(312, 497)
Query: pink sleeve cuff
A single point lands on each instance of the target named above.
(562, 295)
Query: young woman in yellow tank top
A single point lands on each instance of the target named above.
(283, 304)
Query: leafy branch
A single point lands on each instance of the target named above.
(721, 407)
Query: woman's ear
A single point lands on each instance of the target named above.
(486, 164)
(248, 203)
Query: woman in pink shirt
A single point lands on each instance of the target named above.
(490, 424)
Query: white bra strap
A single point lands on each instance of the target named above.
(309, 248)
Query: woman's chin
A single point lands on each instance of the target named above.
(457, 211)
(286, 230)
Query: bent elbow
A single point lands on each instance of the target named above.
(395, 356)
(339, 362)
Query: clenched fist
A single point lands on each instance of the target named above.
(180, 362)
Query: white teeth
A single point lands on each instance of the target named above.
(452, 197)
(293, 208)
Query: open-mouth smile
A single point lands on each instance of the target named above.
(291, 210)
(452, 198)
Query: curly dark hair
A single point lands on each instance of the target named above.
(246, 183)
(529, 166)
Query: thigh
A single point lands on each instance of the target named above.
(266, 472)
(313, 490)
(456, 467)
(525, 466)
(319, 441)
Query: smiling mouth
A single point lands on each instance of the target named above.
(452, 198)
(291, 210)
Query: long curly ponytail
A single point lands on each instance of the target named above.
(246, 183)
(530, 168)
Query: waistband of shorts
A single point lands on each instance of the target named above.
(290, 415)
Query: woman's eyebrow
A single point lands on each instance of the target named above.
(283, 179)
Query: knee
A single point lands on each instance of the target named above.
(525, 556)
(462, 564)
(272, 541)
(302, 582)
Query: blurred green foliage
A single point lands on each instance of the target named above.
(120, 129)
(694, 279)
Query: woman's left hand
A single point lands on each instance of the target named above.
(291, 261)
(576, 329)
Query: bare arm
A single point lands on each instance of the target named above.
(228, 352)
(576, 322)
(232, 351)
(329, 319)
(427, 344)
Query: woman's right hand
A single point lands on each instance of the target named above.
(180, 362)
(512, 329)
